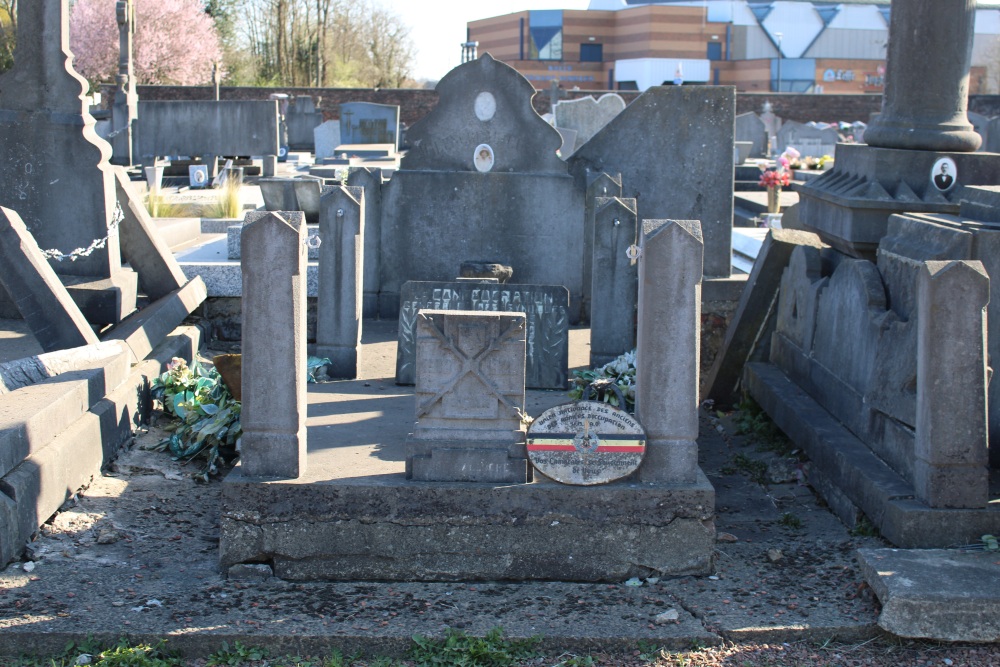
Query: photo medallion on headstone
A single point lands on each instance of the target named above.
(586, 443)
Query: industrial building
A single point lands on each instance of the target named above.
(784, 45)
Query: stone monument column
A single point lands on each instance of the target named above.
(925, 106)
(55, 170)
(124, 110)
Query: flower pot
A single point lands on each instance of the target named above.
(774, 199)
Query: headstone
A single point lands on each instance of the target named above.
(326, 137)
(545, 308)
(341, 275)
(604, 185)
(669, 337)
(585, 443)
(440, 210)
(749, 127)
(302, 119)
(569, 140)
(469, 399)
(369, 123)
(951, 467)
(614, 286)
(274, 349)
(587, 116)
(688, 176)
(370, 180)
(925, 106)
(809, 141)
(55, 321)
(992, 144)
(772, 123)
(53, 165)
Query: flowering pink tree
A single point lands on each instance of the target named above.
(175, 41)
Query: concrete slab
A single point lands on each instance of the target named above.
(945, 595)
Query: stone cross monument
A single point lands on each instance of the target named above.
(124, 110)
(55, 170)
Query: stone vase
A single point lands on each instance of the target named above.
(774, 199)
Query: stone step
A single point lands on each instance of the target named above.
(178, 233)
(31, 417)
(940, 594)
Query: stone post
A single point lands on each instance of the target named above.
(614, 288)
(274, 348)
(371, 181)
(669, 340)
(341, 275)
(55, 170)
(604, 185)
(951, 448)
(124, 108)
(925, 105)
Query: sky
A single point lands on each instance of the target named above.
(438, 26)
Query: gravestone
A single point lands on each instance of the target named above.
(546, 313)
(749, 127)
(370, 180)
(55, 170)
(772, 123)
(326, 138)
(369, 123)
(809, 141)
(469, 399)
(603, 185)
(274, 349)
(981, 124)
(341, 270)
(439, 209)
(669, 336)
(688, 174)
(301, 120)
(587, 116)
(614, 287)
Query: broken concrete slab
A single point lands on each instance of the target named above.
(939, 594)
(26, 371)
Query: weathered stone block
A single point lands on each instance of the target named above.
(614, 286)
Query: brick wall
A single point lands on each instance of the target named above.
(416, 103)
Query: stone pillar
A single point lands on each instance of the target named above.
(341, 267)
(124, 108)
(951, 451)
(604, 185)
(371, 181)
(274, 348)
(669, 341)
(614, 290)
(927, 78)
(55, 170)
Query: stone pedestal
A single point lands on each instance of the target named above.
(470, 398)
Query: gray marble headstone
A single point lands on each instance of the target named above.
(587, 116)
(809, 141)
(326, 138)
(369, 123)
(545, 307)
(749, 127)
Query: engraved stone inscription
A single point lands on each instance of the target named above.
(545, 308)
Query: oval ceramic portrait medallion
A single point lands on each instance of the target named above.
(483, 158)
(486, 106)
(944, 173)
(586, 443)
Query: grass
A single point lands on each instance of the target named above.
(458, 649)
(752, 468)
(159, 207)
(229, 204)
(754, 423)
(789, 520)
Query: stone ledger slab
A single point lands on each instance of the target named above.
(945, 595)
(544, 306)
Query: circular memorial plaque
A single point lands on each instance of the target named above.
(586, 443)
(483, 158)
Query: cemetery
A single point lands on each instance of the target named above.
(603, 375)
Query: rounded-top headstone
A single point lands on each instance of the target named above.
(586, 443)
